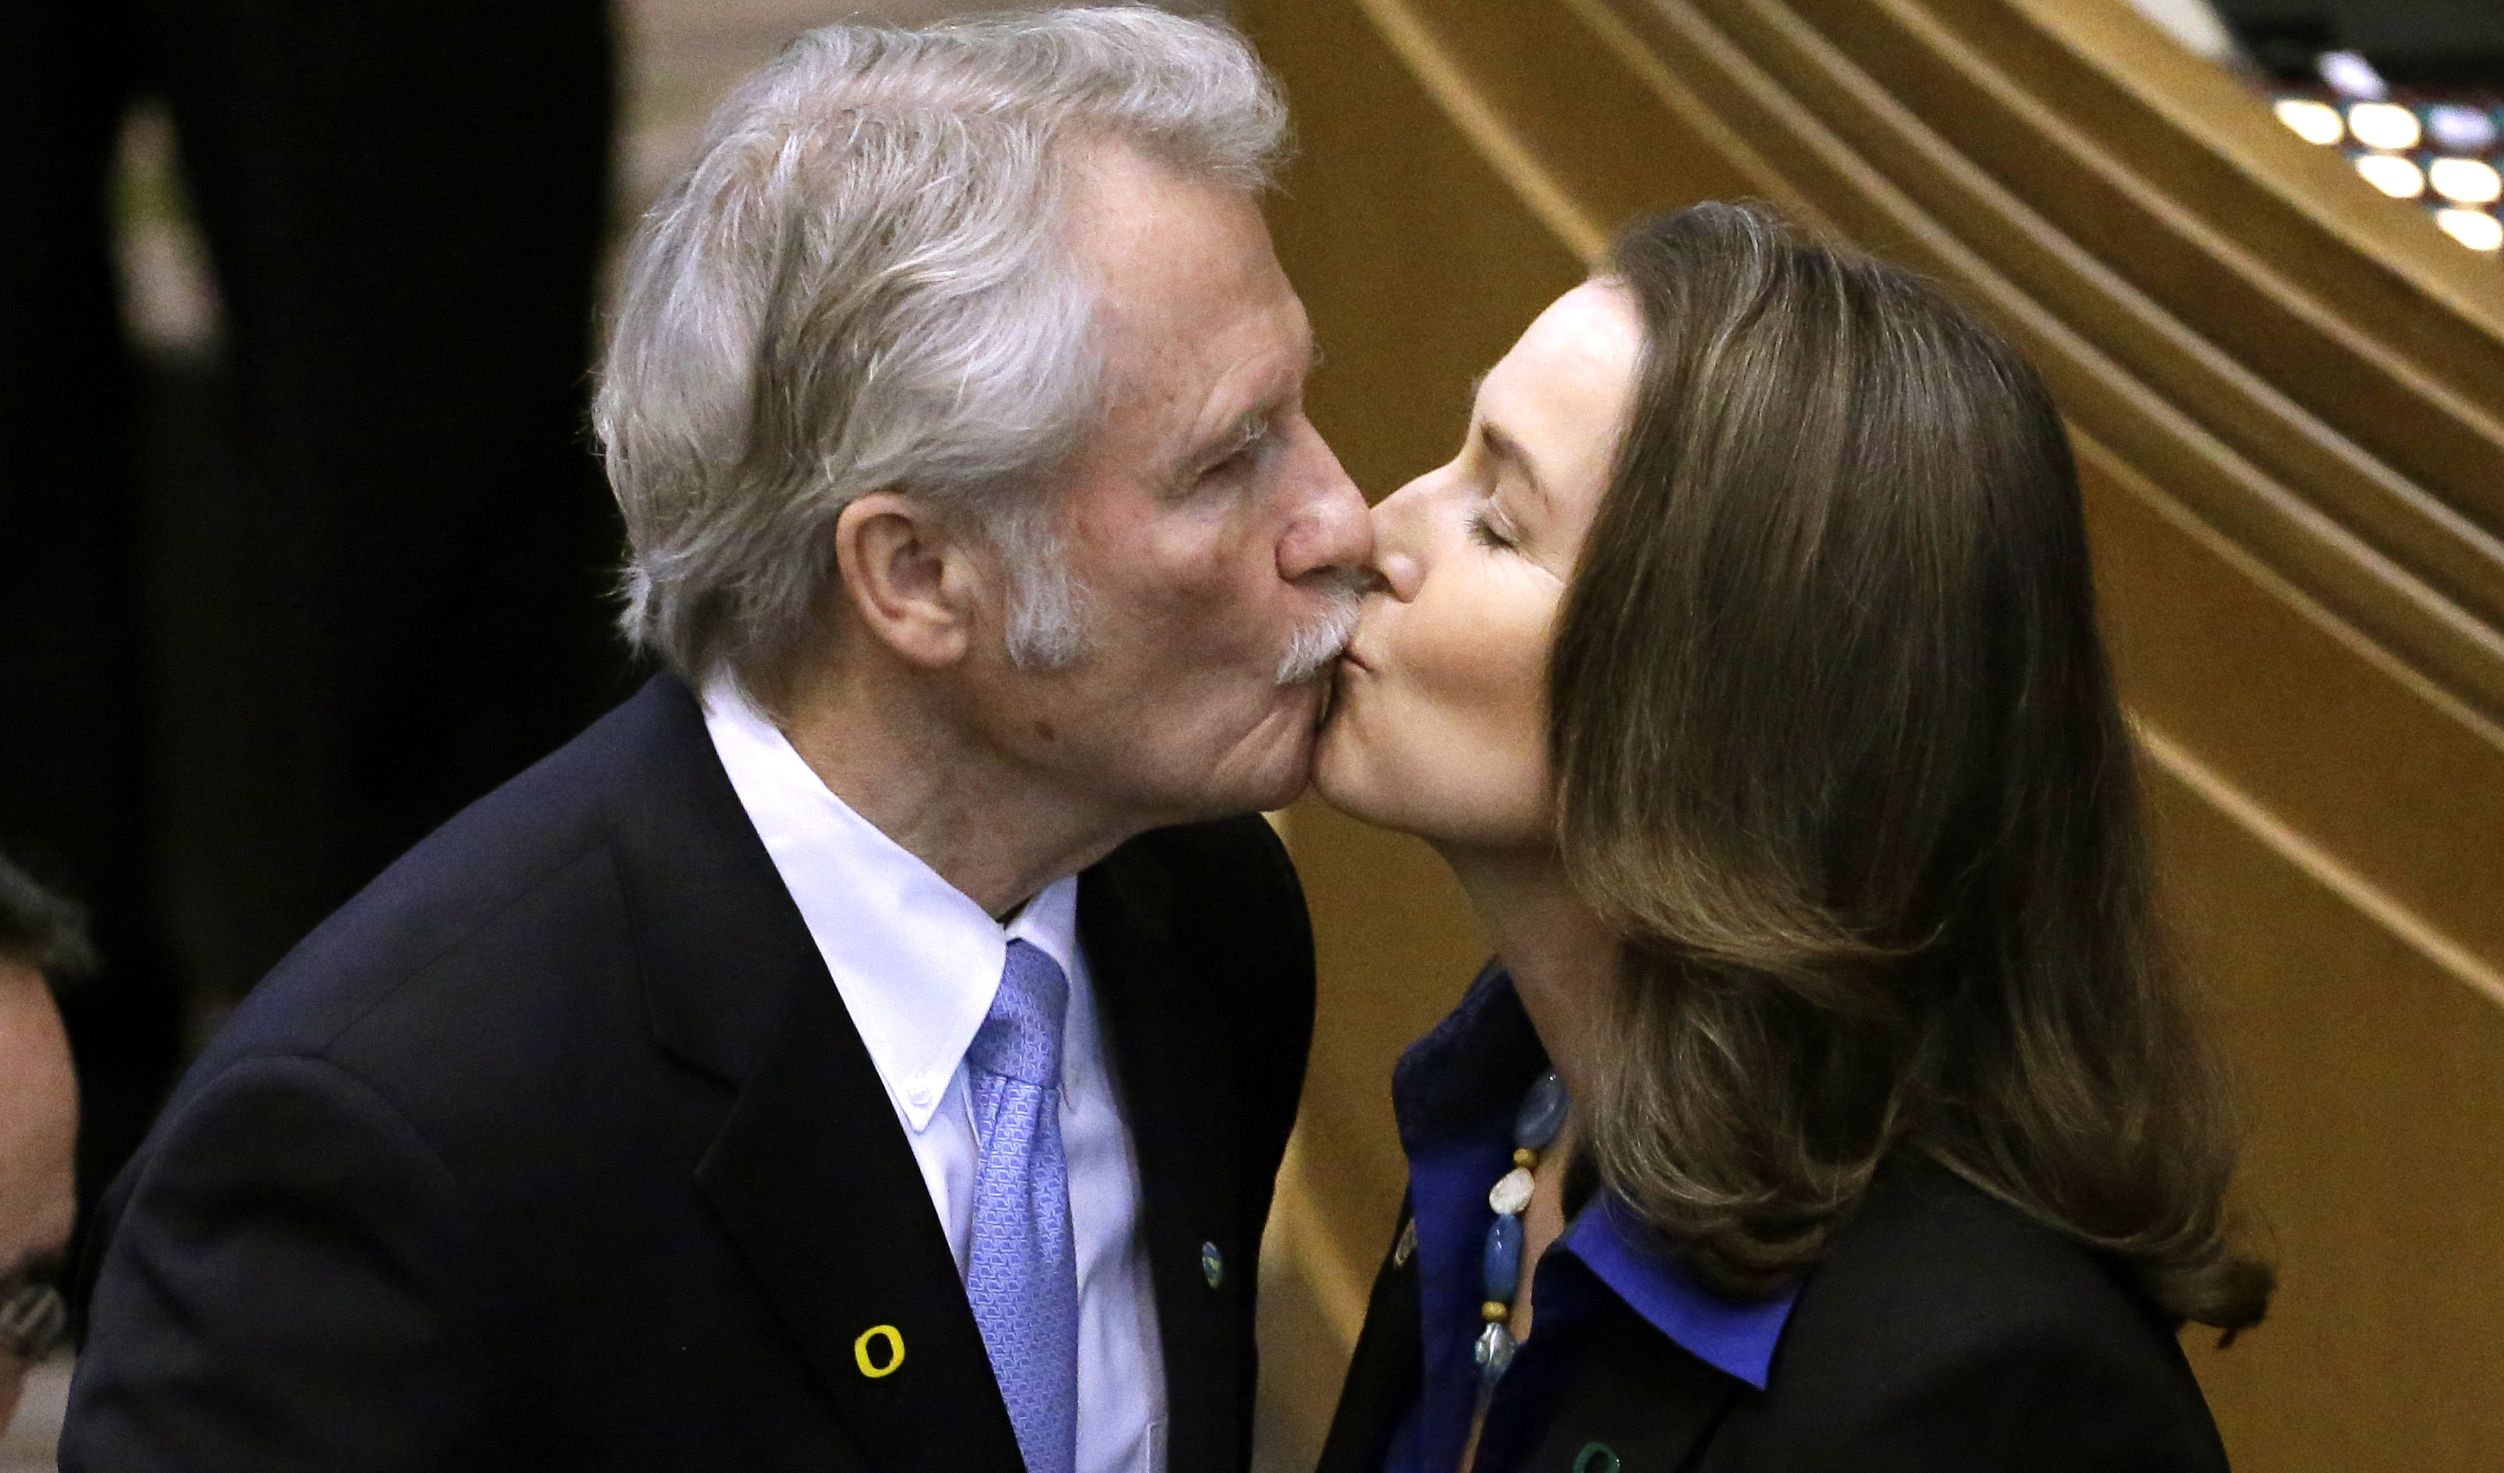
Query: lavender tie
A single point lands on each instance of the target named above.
(1021, 1274)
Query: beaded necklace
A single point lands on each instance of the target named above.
(1535, 1125)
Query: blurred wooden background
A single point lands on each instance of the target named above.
(2288, 398)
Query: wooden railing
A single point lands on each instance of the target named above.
(2287, 393)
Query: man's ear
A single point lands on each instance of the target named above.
(911, 577)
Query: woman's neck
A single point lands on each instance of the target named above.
(1563, 957)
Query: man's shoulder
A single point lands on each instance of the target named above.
(1241, 856)
(1219, 902)
(519, 891)
(1223, 888)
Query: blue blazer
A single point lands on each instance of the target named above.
(557, 1149)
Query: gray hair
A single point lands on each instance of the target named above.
(865, 284)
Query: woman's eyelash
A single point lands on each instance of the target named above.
(1483, 531)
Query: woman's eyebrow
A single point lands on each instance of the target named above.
(1506, 449)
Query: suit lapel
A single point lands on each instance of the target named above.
(814, 1180)
(810, 1174)
(1637, 1393)
(1387, 1367)
(1176, 1094)
(1628, 1388)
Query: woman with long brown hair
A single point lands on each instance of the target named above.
(1830, 1103)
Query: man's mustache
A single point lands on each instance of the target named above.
(1319, 642)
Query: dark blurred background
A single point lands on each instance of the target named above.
(2431, 43)
(300, 547)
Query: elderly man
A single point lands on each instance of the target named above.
(861, 1050)
(40, 937)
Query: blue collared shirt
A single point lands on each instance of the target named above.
(1455, 1092)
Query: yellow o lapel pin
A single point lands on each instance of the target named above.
(894, 1356)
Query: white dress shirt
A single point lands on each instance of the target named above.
(917, 962)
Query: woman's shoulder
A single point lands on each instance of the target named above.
(1946, 1329)
(1933, 1259)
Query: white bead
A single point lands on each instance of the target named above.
(1512, 1193)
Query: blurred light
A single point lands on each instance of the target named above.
(2465, 181)
(2460, 129)
(2351, 75)
(2475, 229)
(2396, 177)
(2314, 122)
(2384, 125)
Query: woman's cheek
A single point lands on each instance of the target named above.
(1487, 658)
(1482, 673)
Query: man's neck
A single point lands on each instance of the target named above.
(995, 829)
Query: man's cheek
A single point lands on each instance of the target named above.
(1218, 612)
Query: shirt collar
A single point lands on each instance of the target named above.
(1736, 1335)
(1473, 1068)
(1465, 1079)
(1049, 923)
(915, 959)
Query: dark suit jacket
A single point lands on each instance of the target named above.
(1944, 1334)
(556, 1148)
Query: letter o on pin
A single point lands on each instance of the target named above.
(872, 1362)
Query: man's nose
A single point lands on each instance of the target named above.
(1329, 528)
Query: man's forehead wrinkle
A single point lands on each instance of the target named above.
(1153, 352)
(1198, 343)
(1250, 386)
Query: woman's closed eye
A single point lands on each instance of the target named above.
(1485, 531)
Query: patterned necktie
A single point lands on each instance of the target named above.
(1021, 1273)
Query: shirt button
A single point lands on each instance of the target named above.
(919, 1095)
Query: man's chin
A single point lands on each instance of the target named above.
(1292, 782)
(1289, 770)
(1267, 767)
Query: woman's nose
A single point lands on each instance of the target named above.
(1401, 541)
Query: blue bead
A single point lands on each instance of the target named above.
(1504, 1258)
(1542, 1114)
(1494, 1354)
